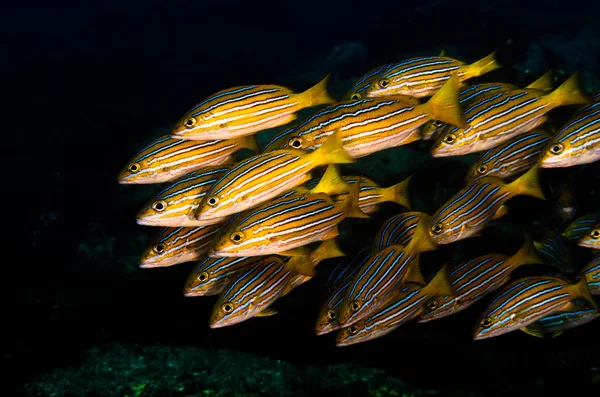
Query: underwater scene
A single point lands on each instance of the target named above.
(235, 198)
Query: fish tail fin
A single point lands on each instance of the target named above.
(414, 273)
(481, 67)
(332, 151)
(332, 183)
(249, 142)
(327, 250)
(440, 284)
(317, 94)
(350, 205)
(526, 255)
(527, 184)
(568, 93)
(398, 193)
(583, 291)
(445, 106)
(443, 53)
(544, 83)
(503, 210)
(421, 241)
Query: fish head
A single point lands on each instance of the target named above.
(478, 169)
(489, 326)
(310, 142)
(204, 125)
(238, 241)
(452, 141)
(327, 320)
(142, 171)
(352, 334)
(557, 154)
(438, 307)
(203, 281)
(161, 212)
(431, 129)
(161, 253)
(229, 312)
(383, 85)
(591, 239)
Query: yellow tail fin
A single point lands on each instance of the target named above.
(503, 210)
(526, 255)
(421, 241)
(481, 67)
(350, 206)
(527, 184)
(331, 183)
(327, 250)
(581, 290)
(544, 83)
(248, 142)
(397, 193)
(317, 94)
(414, 274)
(305, 265)
(331, 151)
(568, 93)
(443, 53)
(445, 106)
(440, 284)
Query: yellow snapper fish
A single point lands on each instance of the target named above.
(591, 273)
(471, 94)
(245, 110)
(263, 177)
(471, 209)
(283, 225)
(166, 159)
(581, 226)
(556, 323)
(591, 239)
(172, 206)
(406, 303)
(423, 76)
(496, 118)
(578, 142)
(371, 125)
(178, 245)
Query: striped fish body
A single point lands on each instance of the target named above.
(512, 157)
(366, 126)
(357, 90)
(591, 273)
(472, 280)
(172, 206)
(555, 251)
(250, 292)
(397, 230)
(211, 275)
(167, 159)
(280, 225)
(337, 286)
(523, 302)
(178, 245)
(493, 119)
(591, 239)
(581, 226)
(468, 95)
(578, 142)
(556, 323)
(374, 281)
(398, 309)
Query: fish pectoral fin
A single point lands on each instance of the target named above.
(267, 313)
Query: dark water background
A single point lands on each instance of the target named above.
(87, 85)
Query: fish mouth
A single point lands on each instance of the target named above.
(148, 222)
(325, 330)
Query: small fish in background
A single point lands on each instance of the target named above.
(471, 94)
(166, 159)
(469, 210)
(403, 305)
(527, 300)
(178, 245)
(555, 251)
(372, 125)
(172, 206)
(263, 177)
(591, 274)
(553, 325)
(496, 118)
(476, 278)
(245, 110)
(577, 142)
(592, 238)
(581, 226)
(511, 157)
(565, 202)
(423, 76)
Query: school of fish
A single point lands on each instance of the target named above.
(258, 226)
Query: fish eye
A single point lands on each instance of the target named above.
(353, 329)
(355, 306)
(159, 206)
(557, 148)
(212, 201)
(296, 142)
(227, 307)
(437, 228)
(383, 83)
(486, 322)
(189, 122)
(432, 304)
(449, 138)
(159, 248)
(355, 96)
(595, 234)
(236, 237)
(202, 277)
(482, 169)
(437, 123)
(331, 315)
(134, 167)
